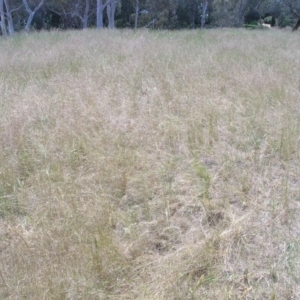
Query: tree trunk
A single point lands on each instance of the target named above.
(10, 23)
(100, 14)
(111, 9)
(29, 20)
(204, 9)
(2, 20)
(100, 9)
(137, 9)
(86, 14)
(192, 13)
(108, 11)
(31, 12)
(241, 12)
(296, 26)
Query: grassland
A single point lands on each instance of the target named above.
(150, 165)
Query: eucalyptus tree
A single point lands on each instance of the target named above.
(203, 14)
(136, 4)
(131, 10)
(100, 9)
(82, 10)
(6, 11)
(2, 19)
(73, 13)
(31, 12)
(111, 10)
(64, 9)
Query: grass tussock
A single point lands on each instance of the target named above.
(150, 165)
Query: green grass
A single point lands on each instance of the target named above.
(150, 165)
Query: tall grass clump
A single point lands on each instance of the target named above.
(150, 165)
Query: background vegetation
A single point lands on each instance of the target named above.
(150, 165)
(16, 15)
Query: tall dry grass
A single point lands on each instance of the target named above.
(150, 165)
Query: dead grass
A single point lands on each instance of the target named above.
(150, 165)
